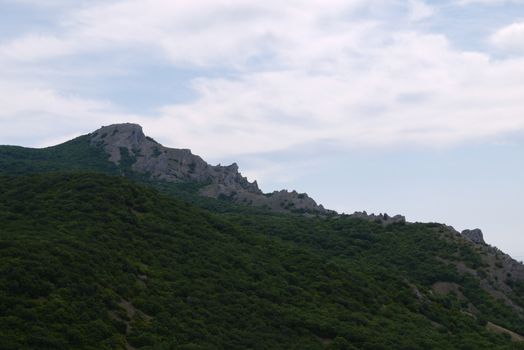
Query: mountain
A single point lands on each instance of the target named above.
(127, 144)
(124, 149)
(91, 259)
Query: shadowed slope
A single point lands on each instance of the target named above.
(96, 262)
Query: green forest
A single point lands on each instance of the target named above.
(92, 259)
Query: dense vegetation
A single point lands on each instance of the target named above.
(90, 260)
(96, 262)
(70, 156)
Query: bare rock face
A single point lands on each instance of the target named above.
(383, 219)
(284, 200)
(475, 235)
(126, 144)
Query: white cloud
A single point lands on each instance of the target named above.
(488, 2)
(415, 91)
(42, 117)
(419, 10)
(51, 3)
(299, 72)
(218, 32)
(35, 48)
(510, 38)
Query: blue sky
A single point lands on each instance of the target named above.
(412, 107)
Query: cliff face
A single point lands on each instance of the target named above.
(383, 219)
(474, 235)
(126, 143)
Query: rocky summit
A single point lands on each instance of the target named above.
(126, 144)
(474, 235)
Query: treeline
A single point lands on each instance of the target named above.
(89, 261)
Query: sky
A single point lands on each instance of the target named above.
(406, 107)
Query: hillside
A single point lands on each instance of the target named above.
(124, 149)
(91, 259)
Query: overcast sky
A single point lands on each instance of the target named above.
(401, 106)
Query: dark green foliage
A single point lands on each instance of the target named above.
(126, 162)
(156, 153)
(92, 262)
(89, 261)
(71, 156)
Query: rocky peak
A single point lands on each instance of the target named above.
(383, 219)
(474, 235)
(145, 155)
(117, 136)
(292, 200)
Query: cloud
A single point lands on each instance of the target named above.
(510, 38)
(203, 33)
(414, 91)
(276, 77)
(51, 3)
(35, 48)
(488, 2)
(39, 116)
(420, 10)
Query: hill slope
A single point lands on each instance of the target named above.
(179, 254)
(124, 149)
(90, 261)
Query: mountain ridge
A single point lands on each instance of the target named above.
(128, 150)
(91, 259)
(128, 142)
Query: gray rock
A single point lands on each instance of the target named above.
(474, 235)
(180, 165)
(383, 219)
(451, 229)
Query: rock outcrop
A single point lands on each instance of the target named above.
(127, 145)
(383, 219)
(474, 235)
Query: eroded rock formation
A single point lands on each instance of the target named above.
(127, 145)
